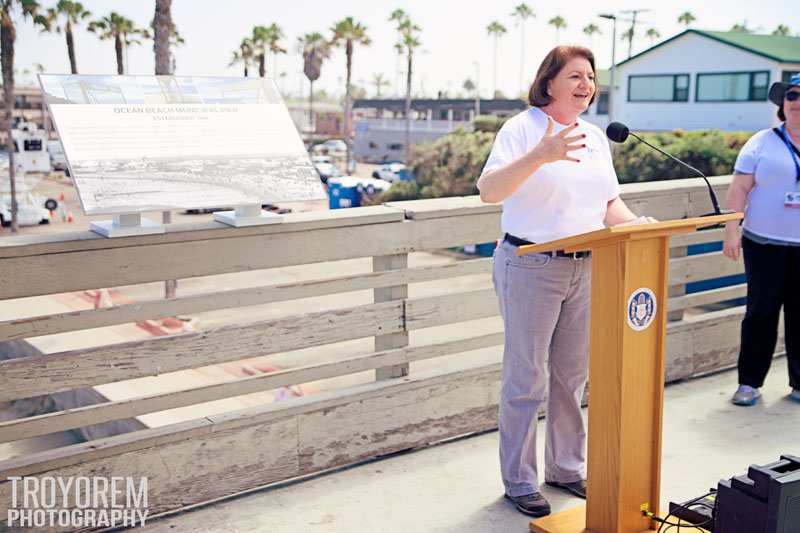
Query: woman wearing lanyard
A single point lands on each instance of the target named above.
(767, 181)
(554, 174)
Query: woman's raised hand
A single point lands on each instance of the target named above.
(557, 146)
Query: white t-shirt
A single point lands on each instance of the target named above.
(767, 157)
(560, 199)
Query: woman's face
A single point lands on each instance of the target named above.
(792, 109)
(574, 85)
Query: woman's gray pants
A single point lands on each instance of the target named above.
(545, 302)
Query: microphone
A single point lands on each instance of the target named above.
(619, 132)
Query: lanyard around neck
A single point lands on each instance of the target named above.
(793, 151)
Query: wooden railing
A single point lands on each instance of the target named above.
(432, 371)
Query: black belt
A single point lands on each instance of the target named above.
(516, 241)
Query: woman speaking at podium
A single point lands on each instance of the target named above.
(554, 174)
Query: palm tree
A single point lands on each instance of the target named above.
(163, 29)
(558, 23)
(122, 30)
(495, 30)
(379, 81)
(627, 35)
(652, 34)
(521, 13)
(63, 17)
(259, 42)
(468, 86)
(8, 34)
(590, 30)
(741, 28)
(315, 49)
(273, 36)
(349, 32)
(781, 30)
(408, 41)
(245, 55)
(686, 18)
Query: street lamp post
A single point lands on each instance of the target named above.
(613, 18)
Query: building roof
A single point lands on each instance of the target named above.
(774, 47)
(398, 104)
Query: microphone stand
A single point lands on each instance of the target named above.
(714, 202)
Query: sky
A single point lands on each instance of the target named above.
(455, 45)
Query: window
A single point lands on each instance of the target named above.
(732, 87)
(787, 75)
(32, 145)
(658, 88)
(602, 104)
(395, 146)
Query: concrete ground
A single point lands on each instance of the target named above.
(455, 486)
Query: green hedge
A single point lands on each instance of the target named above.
(450, 166)
(713, 152)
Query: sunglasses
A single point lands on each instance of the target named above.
(791, 96)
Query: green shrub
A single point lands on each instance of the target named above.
(489, 123)
(711, 151)
(448, 166)
(400, 190)
(451, 165)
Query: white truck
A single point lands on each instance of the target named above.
(30, 149)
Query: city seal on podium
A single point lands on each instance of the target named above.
(641, 309)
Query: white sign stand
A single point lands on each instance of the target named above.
(126, 225)
(247, 215)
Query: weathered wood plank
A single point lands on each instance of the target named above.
(397, 292)
(86, 240)
(702, 266)
(269, 447)
(444, 207)
(450, 308)
(698, 237)
(708, 297)
(192, 470)
(40, 274)
(31, 376)
(74, 418)
(93, 318)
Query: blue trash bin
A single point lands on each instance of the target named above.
(343, 192)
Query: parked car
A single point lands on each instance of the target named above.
(326, 171)
(389, 171)
(58, 160)
(31, 209)
(331, 146)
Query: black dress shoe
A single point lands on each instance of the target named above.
(531, 504)
(577, 488)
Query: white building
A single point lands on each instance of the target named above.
(704, 79)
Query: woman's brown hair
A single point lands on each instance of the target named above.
(551, 65)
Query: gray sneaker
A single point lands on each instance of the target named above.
(577, 488)
(531, 504)
(745, 395)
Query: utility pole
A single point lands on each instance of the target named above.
(613, 18)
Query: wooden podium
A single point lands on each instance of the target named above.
(626, 373)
